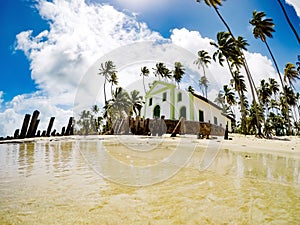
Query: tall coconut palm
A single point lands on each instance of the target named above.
(202, 61)
(145, 73)
(273, 86)
(291, 74)
(136, 101)
(263, 28)
(178, 72)
(226, 48)
(215, 4)
(106, 69)
(288, 20)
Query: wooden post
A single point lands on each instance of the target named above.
(178, 127)
(35, 128)
(38, 134)
(25, 126)
(69, 130)
(32, 124)
(16, 134)
(44, 133)
(50, 126)
(63, 130)
(53, 133)
(226, 132)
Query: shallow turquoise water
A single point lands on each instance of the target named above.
(51, 183)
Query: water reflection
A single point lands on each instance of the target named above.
(50, 183)
(261, 166)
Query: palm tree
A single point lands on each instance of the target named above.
(191, 89)
(214, 4)
(229, 95)
(288, 20)
(113, 80)
(203, 84)
(106, 70)
(202, 61)
(226, 48)
(162, 71)
(263, 28)
(136, 101)
(145, 73)
(291, 74)
(178, 72)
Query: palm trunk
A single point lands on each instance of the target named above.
(104, 90)
(288, 20)
(246, 68)
(281, 80)
(275, 63)
(243, 110)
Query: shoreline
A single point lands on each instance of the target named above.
(239, 143)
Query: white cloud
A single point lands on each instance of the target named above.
(260, 66)
(296, 5)
(79, 34)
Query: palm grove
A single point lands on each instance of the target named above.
(274, 108)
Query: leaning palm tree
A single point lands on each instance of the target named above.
(226, 48)
(288, 20)
(215, 4)
(291, 74)
(145, 73)
(178, 72)
(106, 70)
(263, 28)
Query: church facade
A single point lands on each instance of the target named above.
(165, 99)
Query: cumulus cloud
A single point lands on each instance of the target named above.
(79, 34)
(260, 66)
(296, 5)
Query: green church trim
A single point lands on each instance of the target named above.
(192, 106)
(172, 106)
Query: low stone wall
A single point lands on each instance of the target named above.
(161, 126)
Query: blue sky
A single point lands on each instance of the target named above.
(34, 75)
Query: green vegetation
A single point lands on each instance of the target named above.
(273, 110)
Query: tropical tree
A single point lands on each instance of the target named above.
(226, 51)
(263, 28)
(136, 101)
(291, 74)
(191, 89)
(145, 73)
(203, 84)
(107, 70)
(113, 79)
(202, 61)
(289, 21)
(162, 71)
(178, 72)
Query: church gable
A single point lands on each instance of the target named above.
(159, 87)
